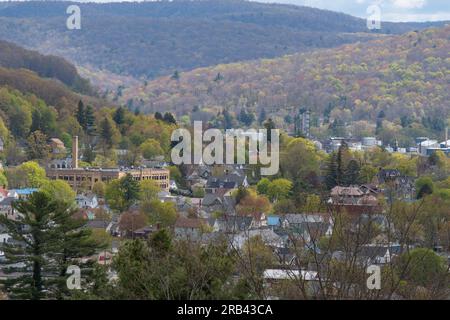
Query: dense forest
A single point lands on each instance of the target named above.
(156, 38)
(15, 57)
(34, 109)
(395, 87)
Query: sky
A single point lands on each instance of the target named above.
(391, 10)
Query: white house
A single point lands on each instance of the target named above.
(7, 210)
(87, 201)
(4, 238)
(173, 185)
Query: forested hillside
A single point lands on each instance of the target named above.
(15, 57)
(34, 109)
(157, 38)
(399, 82)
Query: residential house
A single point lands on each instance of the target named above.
(268, 236)
(354, 200)
(378, 254)
(345, 195)
(186, 205)
(3, 193)
(233, 224)
(395, 185)
(144, 232)
(288, 274)
(219, 201)
(259, 220)
(5, 238)
(273, 221)
(307, 227)
(7, 209)
(198, 175)
(311, 282)
(371, 254)
(98, 224)
(226, 182)
(189, 228)
(57, 146)
(21, 193)
(173, 185)
(87, 201)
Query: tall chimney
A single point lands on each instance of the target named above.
(446, 137)
(75, 152)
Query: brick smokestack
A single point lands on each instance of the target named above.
(446, 137)
(75, 152)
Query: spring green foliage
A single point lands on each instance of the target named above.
(151, 148)
(173, 270)
(51, 241)
(148, 190)
(27, 175)
(160, 213)
(121, 193)
(60, 191)
(277, 189)
(395, 88)
(424, 186)
(424, 267)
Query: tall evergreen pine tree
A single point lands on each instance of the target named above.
(46, 239)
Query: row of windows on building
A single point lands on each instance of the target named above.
(104, 179)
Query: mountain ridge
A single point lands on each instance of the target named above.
(151, 39)
(400, 76)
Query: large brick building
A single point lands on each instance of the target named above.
(86, 177)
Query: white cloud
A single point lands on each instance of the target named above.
(416, 17)
(409, 4)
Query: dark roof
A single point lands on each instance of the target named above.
(228, 181)
(369, 188)
(216, 201)
(183, 222)
(97, 224)
(229, 223)
(210, 199)
(297, 218)
(374, 251)
(7, 201)
(389, 173)
(374, 218)
(221, 184)
(3, 228)
(352, 191)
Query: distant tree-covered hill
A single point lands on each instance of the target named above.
(15, 57)
(151, 39)
(37, 94)
(51, 91)
(398, 83)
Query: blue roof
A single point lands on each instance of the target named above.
(273, 220)
(25, 191)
